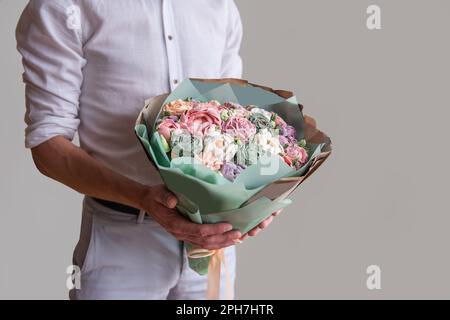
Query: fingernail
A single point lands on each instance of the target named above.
(237, 241)
(228, 228)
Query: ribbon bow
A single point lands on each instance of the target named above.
(214, 267)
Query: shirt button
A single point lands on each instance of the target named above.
(169, 37)
(175, 81)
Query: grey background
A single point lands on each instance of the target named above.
(380, 199)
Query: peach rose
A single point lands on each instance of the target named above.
(177, 107)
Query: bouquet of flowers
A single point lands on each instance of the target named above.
(230, 151)
(228, 137)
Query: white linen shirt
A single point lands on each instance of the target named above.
(91, 64)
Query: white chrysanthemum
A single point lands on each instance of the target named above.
(263, 112)
(265, 142)
(222, 146)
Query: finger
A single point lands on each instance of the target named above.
(165, 197)
(245, 236)
(265, 223)
(185, 227)
(206, 230)
(216, 242)
(227, 237)
(175, 223)
(201, 243)
(277, 213)
(254, 232)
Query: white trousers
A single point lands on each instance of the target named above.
(120, 258)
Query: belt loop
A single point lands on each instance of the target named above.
(141, 217)
(184, 258)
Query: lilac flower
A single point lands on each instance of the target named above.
(231, 170)
(288, 131)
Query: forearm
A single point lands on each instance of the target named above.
(61, 160)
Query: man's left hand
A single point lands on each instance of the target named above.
(264, 224)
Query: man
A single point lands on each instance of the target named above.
(89, 66)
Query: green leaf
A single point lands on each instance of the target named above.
(164, 144)
(302, 143)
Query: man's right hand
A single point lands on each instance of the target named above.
(61, 160)
(160, 203)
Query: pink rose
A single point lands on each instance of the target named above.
(296, 155)
(240, 128)
(177, 107)
(201, 120)
(166, 126)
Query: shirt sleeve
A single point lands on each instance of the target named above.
(49, 39)
(231, 61)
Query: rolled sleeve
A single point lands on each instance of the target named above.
(52, 54)
(231, 61)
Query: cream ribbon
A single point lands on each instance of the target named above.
(214, 267)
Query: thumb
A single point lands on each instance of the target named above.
(165, 197)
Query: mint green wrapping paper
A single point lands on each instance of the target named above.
(204, 196)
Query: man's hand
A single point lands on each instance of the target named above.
(160, 204)
(264, 224)
(59, 159)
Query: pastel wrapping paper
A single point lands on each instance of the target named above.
(261, 189)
